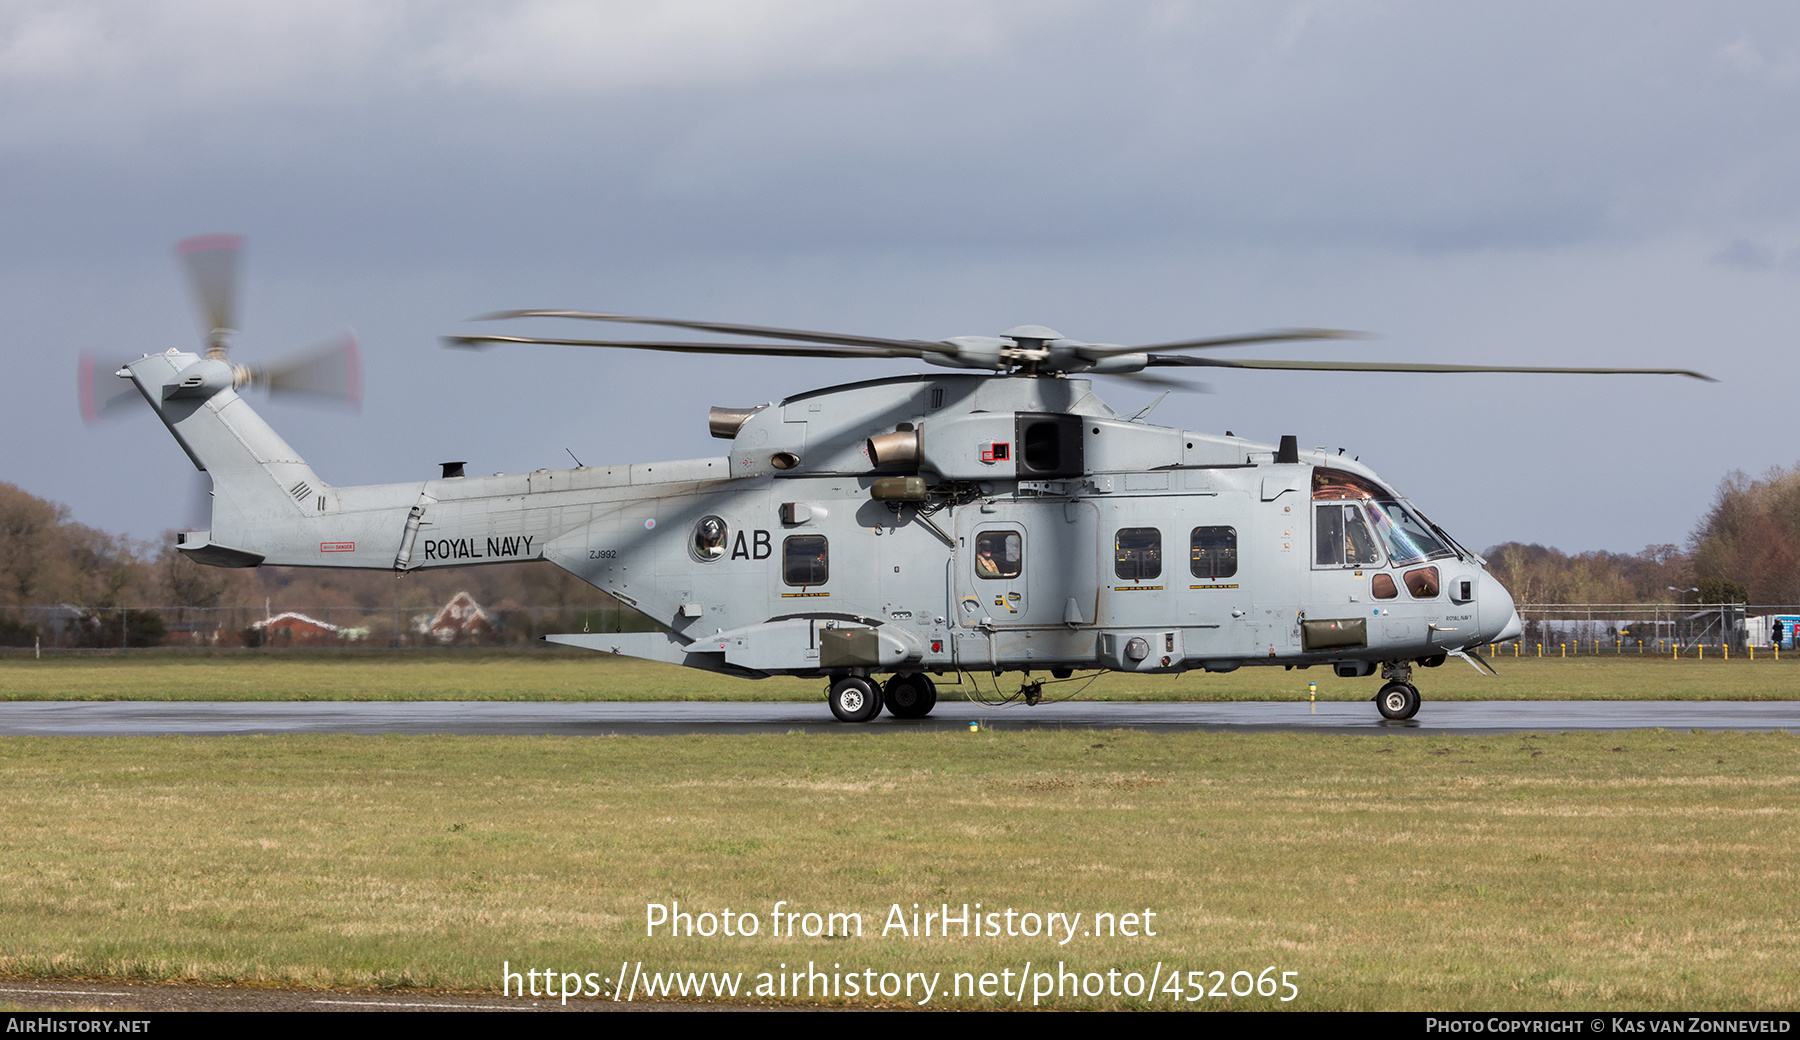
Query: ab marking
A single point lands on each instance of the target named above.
(757, 550)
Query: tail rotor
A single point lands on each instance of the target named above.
(212, 264)
(328, 373)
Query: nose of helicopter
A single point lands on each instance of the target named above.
(1499, 618)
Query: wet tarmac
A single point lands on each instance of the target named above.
(498, 718)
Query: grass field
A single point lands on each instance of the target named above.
(1588, 871)
(582, 676)
(1642, 870)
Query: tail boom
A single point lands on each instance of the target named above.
(269, 506)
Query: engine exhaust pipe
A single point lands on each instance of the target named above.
(900, 448)
(726, 422)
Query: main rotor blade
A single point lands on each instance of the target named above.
(212, 263)
(100, 393)
(328, 371)
(1099, 350)
(754, 349)
(916, 347)
(1146, 379)
(1161, 360)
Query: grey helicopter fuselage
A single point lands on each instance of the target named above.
(913, 525)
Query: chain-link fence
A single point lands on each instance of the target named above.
(1582, 629)
(69, 627)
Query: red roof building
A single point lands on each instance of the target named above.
(461, 622)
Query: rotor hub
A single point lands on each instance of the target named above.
(1038, 333)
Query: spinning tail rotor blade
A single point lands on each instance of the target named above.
(327, 373)
(101, 394)
(212, 265)
(330, 372)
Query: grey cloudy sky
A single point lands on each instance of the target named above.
(1524, 183)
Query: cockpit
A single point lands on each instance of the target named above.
(1362, 528)
(1359, 525)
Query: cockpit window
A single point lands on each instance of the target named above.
(1331, 484)
(1407, 536)
(1341, 537)
(1422, 583)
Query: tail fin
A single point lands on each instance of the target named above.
(260, 483)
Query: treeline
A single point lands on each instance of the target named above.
(1535, 574)
(1745, 550)
(50, 560)
(1751, 538)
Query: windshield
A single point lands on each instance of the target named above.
(1408, 536)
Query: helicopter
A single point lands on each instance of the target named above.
(996, 516)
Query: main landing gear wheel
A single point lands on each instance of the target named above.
(854, 699)
(1398, 700)
(910, 696)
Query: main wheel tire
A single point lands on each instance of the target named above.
(910, 696)
(854, 699)
(1398, 700)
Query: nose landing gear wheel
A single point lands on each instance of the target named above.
(854, 699)
(1398, 700)
(910, 696)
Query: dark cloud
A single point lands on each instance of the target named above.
(1502, 182)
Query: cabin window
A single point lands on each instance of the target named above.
(1341, 537)
(1382, 586)
(805, 559)
(998, 554)
(1137, 553)
(709, 539)
(1213, 552)
(1422, 582)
